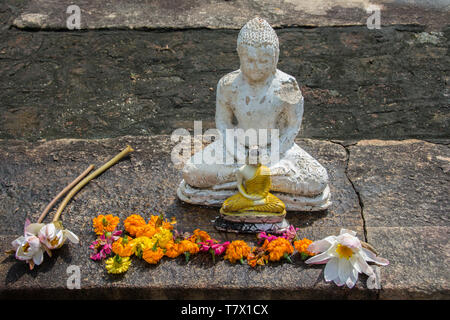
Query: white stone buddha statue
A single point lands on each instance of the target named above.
(258, 96)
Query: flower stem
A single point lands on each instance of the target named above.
(63, 192)
(93, 175)
(304, 256)
(287, 257)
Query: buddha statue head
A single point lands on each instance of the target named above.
(256, 156)
(258, 50)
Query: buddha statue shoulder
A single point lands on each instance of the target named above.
(257, 97)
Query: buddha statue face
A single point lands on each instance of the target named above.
(258, 50)
(257, 63)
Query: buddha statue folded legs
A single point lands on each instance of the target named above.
(299, 180)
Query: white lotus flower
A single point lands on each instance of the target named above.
(345, 258)
(28, 248)
(53, 236)
(39, 237)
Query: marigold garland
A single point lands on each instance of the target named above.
(278, 249)
(200, 236)
(153, 256)
(117, 264)
(103, 224)
(146, 230)
(141, 244)
(302, 247)
(173, 249)
(157, 238)
(237, 251)
(257, 257)
(133, 223)
(163, 237)
(188, 247)
(124, 246)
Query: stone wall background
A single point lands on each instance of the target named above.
(391, 83)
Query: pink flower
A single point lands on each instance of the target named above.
(291, 233)
(220, 248)
(205, 246)
(214, 247)
(262, 236)
(103, 245)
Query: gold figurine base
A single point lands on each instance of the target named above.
(253, 216)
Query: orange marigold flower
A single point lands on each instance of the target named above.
(133, 223)
(279, 248)
(169, 225)
(257, 257)
(189, 246)
(302, 247)
(199, 235)
(251, 260)
(153, 220)
(146, 231)
(237, 250)
(173, 249)
(104, 224)
(153, 256)
(160, 222)
(124, 246)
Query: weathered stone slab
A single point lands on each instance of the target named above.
(404, 189)
(402, 183)
(357, 83)
(145, 182)
(419, 259)
(51, 14)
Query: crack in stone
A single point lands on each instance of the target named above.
(347, 160)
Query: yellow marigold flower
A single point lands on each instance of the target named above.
(189, 246)
(132, 223)
(199, 235)
(237, 250)
(146, 231)
(104, 224)
(141, 244)
(153, 256)
(117, 264)
(302, 247)
(173, 249)
(124, 246)
(279, 248)
(163, 237)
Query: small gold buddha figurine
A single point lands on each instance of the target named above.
(254, 202)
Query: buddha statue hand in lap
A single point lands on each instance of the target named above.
(253, 202)
(257, 97)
